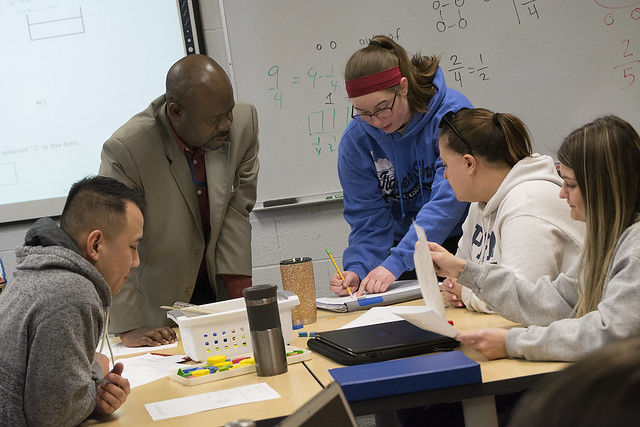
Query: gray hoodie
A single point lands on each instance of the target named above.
(50, 323)
(546, 307)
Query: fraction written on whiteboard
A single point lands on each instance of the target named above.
(629, 64)
(479, 69)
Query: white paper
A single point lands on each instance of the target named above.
(148, 367)
(377, 315)
(395, 288)
(431, 316)
(427, 275)
(120, 349)
(430, 321)
(207, 401)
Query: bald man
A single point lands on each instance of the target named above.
(193, 153)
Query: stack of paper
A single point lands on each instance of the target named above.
(149, 367)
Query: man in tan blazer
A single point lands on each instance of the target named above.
(193, 153)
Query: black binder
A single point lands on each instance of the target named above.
(375, 343)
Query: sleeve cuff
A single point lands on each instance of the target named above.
(394, 265)
(96, 371)
(467, 296)
(356, 269)
(471, 275)
(511, 342)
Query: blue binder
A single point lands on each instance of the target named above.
(408, 375)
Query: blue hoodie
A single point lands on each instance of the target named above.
(369, 161)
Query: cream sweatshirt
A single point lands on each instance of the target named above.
(525, 227)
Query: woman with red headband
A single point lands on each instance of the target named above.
(389, 164)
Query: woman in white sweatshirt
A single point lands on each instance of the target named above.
(516, 219)
(597, 301)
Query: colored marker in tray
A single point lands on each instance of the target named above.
(220, 367)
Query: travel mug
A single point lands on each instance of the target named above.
(297, 277)
(266, 331)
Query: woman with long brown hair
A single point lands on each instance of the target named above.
(597, 300)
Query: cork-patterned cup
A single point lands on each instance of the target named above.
(297, 277)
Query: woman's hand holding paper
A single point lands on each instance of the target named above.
(491, 342)
(445, 264)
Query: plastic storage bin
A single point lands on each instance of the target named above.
(226, 331)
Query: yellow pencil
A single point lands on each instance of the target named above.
(337, 269)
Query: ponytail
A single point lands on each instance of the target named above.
(382, 54)
(498, 138)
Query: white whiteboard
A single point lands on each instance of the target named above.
(555, 64)
(71, 73)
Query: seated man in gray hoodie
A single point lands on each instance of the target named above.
(56, 308)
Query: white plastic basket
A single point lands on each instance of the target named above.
(226, 331)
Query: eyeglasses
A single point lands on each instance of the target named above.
(383, 113)
(447, 118)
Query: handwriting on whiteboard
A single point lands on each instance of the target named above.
(448, 15)
(619, 9)
(329, 115)
(628, 64)
(460, 70)
(524, 10)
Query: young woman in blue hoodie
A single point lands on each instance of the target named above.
(389, 164)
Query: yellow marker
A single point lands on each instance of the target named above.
(200, 372)
(338, 270)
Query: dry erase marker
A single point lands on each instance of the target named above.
(338, 270)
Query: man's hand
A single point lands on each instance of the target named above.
(378, 280)
(112, 391)
(339, 286)
(146, 335)
(491, 343)
(452, 292)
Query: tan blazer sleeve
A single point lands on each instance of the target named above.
(116, 162)
(233, 250)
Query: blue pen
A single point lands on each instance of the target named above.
(3, 277)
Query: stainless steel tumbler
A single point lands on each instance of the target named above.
(266, 331)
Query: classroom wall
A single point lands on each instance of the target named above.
(277, 234)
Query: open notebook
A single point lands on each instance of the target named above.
(402, 290)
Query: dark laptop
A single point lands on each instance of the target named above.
(375, 343)
(327, 408)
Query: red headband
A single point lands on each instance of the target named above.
(373, 82)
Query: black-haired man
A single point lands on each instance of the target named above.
(55, 309)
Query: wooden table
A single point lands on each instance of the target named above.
(498, 376)
(296, 387)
